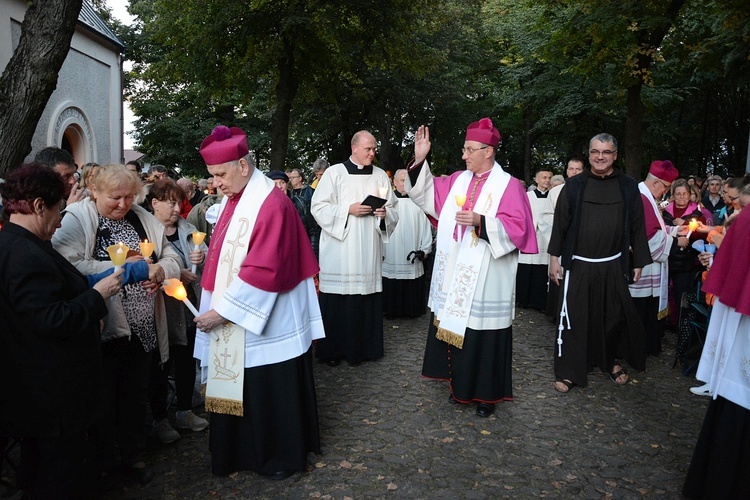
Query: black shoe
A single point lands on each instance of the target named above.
(485, 409)
(333, 362)
(452, 400)
(143, 475)
(281, 475)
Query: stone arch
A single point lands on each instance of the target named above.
(72, 131)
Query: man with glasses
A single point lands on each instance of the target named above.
(483, 221)
(351, 253)
(651, 292)
(598, 220)
(298, 187)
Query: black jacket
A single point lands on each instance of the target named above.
(50, 364)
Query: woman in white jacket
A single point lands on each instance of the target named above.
(136, 324)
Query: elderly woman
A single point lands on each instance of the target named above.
(136, 324)
(683, 263)
(49, 340)
(165, 200)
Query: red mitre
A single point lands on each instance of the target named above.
(664, 170)
(224, 145)
(483, 131)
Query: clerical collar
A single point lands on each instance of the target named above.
(483, 175)
(399, 195)
(355, 169)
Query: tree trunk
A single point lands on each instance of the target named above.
(634, 132)
(286, 89)
(31, 74)
(528, 142)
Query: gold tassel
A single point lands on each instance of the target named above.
(450, 337)
(225, 406)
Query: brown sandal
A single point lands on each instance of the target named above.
(567, 384)
(619, 373)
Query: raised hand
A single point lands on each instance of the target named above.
(422, 144)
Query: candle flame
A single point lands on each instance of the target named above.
(174, 288)
(460, 200)
(198, 237)
(118, 253)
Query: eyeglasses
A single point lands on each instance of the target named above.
(666, 186)
(471, 151)
(606, 152)
(733, 198)
(295, 176)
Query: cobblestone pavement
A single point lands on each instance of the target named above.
(387, 432)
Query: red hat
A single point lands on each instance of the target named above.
(483, 131)
(663, 170)
(224, 145)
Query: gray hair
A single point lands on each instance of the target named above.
(320, 164)
(604, 137)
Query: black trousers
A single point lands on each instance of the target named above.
(182, 360)
(126, 375)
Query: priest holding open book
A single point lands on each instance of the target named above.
(353, 228)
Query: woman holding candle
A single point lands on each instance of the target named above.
(49, 340)
(136, 324)
(164, 200)
(683, 263)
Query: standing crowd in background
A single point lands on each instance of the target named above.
(128, 292)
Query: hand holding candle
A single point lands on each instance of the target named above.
(117, 254)
(692, 226)
(198, 238)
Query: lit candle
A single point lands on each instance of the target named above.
(117, 254)
(692, 226)
(383, 192)
(460, 201)
(175, 289)
(198, 237)
(147, 248)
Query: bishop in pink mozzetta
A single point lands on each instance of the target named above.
(484, 220)
(259, 317)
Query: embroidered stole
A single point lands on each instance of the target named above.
(459, 262)
(226, 367)
(663, 266)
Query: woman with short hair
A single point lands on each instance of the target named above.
(49, 341)
(136, 324)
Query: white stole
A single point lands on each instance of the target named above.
(460, 274)
(226, 367)
(663, 266)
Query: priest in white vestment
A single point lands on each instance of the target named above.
(259, 317)
(403, 268)
(531, 280)
(484, 220)
(351, 254)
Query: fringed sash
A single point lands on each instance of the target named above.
(226, 367)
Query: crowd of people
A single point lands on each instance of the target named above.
(278, 272)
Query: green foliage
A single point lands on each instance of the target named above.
(550, 73)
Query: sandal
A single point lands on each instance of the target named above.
(565, 385)
(619, 373)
